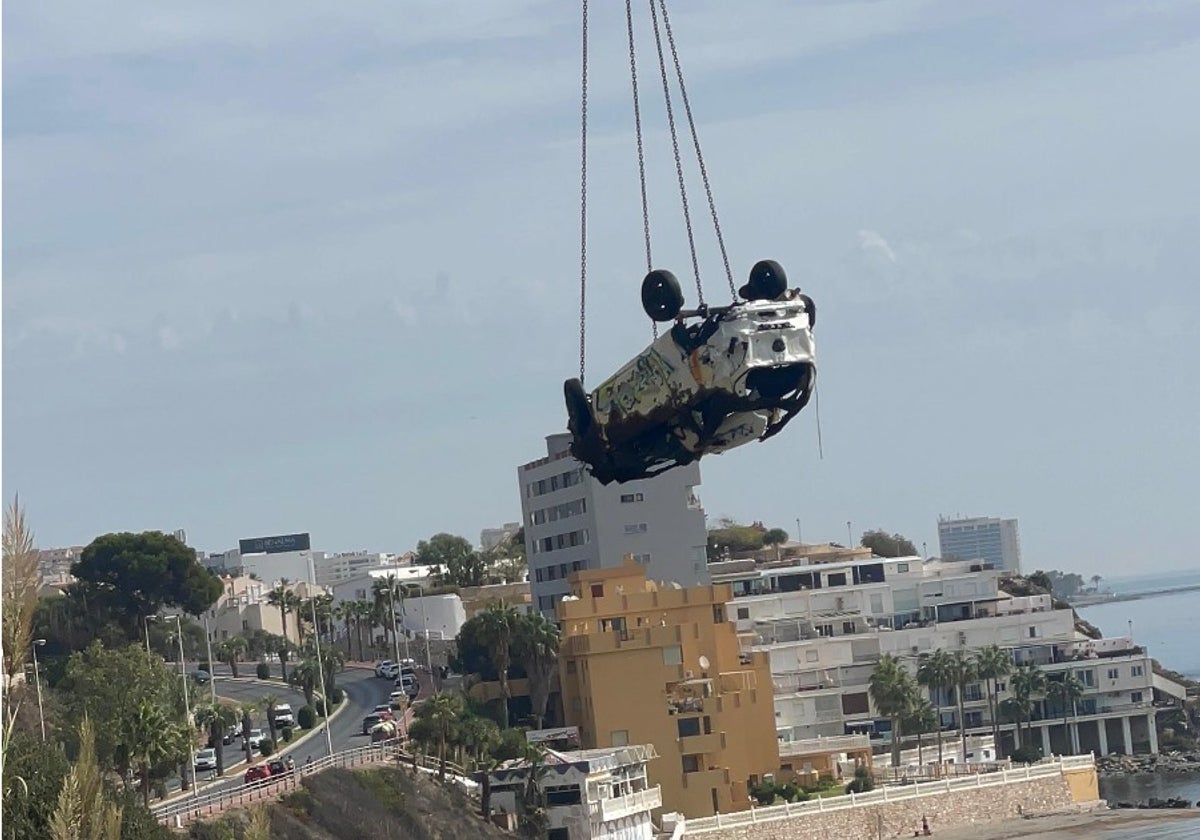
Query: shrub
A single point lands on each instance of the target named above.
(306, 716)
(319, 707)
(286, 733)
(1026, 754)
(764, 792)
(862, 781)
(266, 746)
(790, 792)
(263, 670)
(336, 696)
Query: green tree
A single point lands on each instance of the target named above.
(536, 646)
(269, 702)
(993, 664)
(883, 544)
(734, 538)
(217, 718)
(151, 744)
(933, 672)
(230, 652)
(893, 691)
(775, 537)
(961, 673)
(1064, 694)
(498, 627)
(1027, 682)
(284, 600)
(920, 719)
(386, 593)
(441, 549)
(304, 677)
(33, 776)
(131, 576)
(464, 570)
(441, 715)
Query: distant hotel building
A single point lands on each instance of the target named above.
(573, 523)
(994, 541)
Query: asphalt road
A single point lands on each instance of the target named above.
(363, 690)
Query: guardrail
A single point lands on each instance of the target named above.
(1049, 767)
(180, 811)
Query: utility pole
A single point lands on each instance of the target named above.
(187, 706)
(37, 679)
(212, 675)
(321, 673)
(798, 539)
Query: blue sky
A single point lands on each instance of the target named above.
(314, 267)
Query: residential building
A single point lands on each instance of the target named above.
(825, 626)
(601, 794)
(476, 598)
(573, 522)
(994, 541)
(331, 568)
(286, 556)
(242, 609)
(657, 664)
(489, 538)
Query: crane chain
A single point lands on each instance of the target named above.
(641, 153)
(583, 103)
(687, 107)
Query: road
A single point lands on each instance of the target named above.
(363, 690)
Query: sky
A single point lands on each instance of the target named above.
(315, 267)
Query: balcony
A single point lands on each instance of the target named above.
(709, 744)
(619, 807)
(834, 743)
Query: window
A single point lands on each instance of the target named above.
(538, 575)
(1087, 677)
(901, 568)
(811, 655)
(672, 655)
(629, 498)
(619, 737)
(856, 704)
(824, 629)
(641, 559)
(847, 627)
(558, 834)
(973, 719)
(563, 795)
(1033, 632)
(1135, 697)
(597, 590)
(638, 528)
(838, 579)
(1136, 671)
(691, 764)
(743, 613)
(546, 603)
(1113, 673)
(718, 614)
(552, 573)
(570, 666)
(688, 727)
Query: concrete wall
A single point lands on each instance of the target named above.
(1057, 791)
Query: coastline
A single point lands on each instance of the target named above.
(1078, 825)
(1093, 600)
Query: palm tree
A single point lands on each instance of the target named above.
(304, 676)
(993, 664)
(278, 597)
(498, 626)
(246, 711)
(1065, 693)
(362, 614)
(893, 691)
(962, 674)
(269, 703)
(149, 740)
(383, 591)
(536, 646)
(217, 718)
(344, 611)
(230, 651)
(921, 718)
(933, 672)
(1027, 681)
(441, 714)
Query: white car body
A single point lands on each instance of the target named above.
(256, 738)
(206, 759)
(284, 716)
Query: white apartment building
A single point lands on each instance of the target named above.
(825, 626)
(573, 522)
(994, 541)
(601, 794)
(344, 565)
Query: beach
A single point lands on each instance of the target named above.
(1096, 825)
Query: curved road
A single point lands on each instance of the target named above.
(364, 691)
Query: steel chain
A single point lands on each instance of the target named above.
(687, 107)
(583, 201)
(641, 154)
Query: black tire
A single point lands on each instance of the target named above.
(811, 308)
(662, 297)
(767, 281)
(579, 411)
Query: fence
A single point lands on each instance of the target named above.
(1049, 767)
(188, 808)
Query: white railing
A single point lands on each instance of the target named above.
(186, 808)
(631, 803)
(1048, 767)
(831, 743)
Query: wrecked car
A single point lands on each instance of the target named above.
(721, 376)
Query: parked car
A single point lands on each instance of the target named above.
(383, 665)
(256, 738)
(374, 719)
(284, 716)
(383, 707)
(276, 767)
(383, 731)
(206, 759)
(257, 773)
(201, 677)
(408, 683)
(398, 700)
(390, 671)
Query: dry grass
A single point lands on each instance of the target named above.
(18, 600)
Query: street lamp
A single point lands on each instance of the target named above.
(321, 673)
(212, 675)
(187, 706)
(37, 679)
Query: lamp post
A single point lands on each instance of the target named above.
(187, 706)
(312, 602)
(212, 675)
(37, 679)
(146, 626)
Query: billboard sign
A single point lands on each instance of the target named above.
(275, 545)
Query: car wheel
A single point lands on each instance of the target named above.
(662, 298)
(767, 281)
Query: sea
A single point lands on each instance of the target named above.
(1168, 626)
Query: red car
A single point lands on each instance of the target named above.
(257, 773)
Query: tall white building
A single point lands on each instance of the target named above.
(331, 568)
(994, 541)
(573, 522)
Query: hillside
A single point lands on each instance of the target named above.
(374, 804)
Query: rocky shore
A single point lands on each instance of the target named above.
(1128, 765)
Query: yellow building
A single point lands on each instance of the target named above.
(642, 663)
